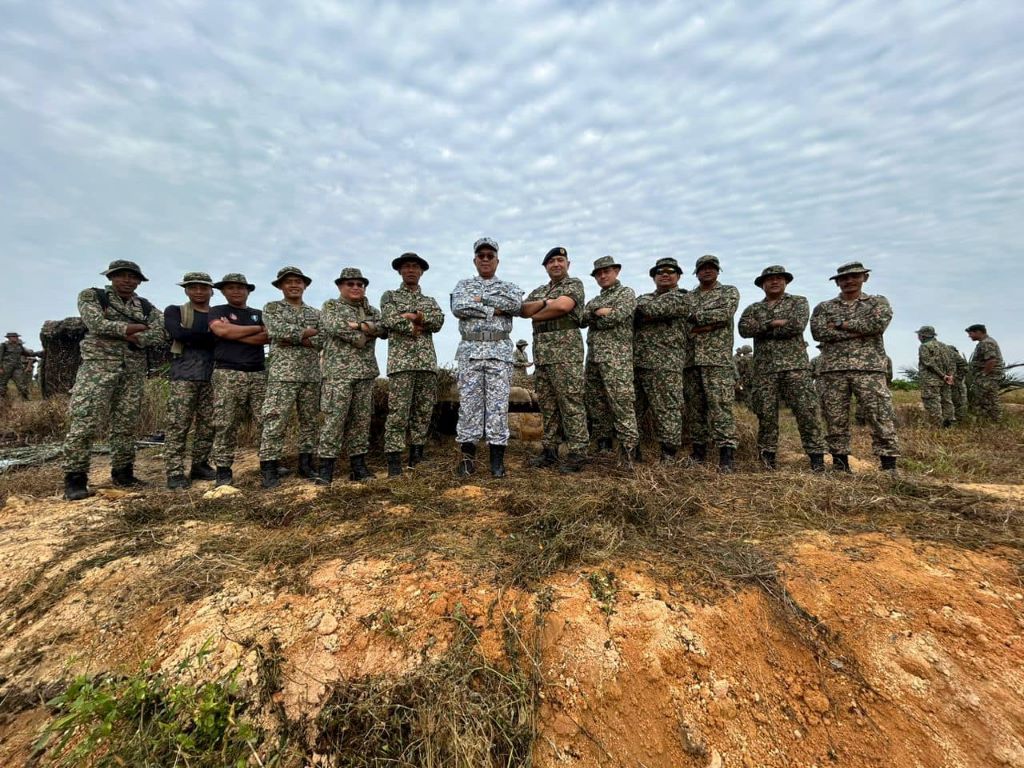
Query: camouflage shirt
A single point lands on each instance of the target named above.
(858, 346)
(520, 360)
(407, 351)
(933, 362)
(713, 307)
(659, 330)
(105, 341)
(13, 356)
(777, 349)
(349, 354)
(290, 359)
(559, 340)
(986, 350)
(959, 361)
(610, 338)
(473, 301)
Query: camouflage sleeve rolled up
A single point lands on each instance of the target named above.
(559, 344)
(777, 349)
(986, 350)
(858, 345)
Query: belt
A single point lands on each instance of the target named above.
(485, 336)
(560, 324)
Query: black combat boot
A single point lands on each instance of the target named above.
(698, 453)
(548, 457)
(357, 468)
(725, 459)
(637, 456)
(604, 445)
(415, 455)
(326, 474)
(306, 468)
(817, 462)
(841, 463)
(668, 453)
(177, 482)
(497, 453)
(268, 474)
(573, 463)
(888, 463)
(467, 464)
(395, 463)
(202, 471)
(125, 477)
(76, 486)
(224, 477)
(768, 459)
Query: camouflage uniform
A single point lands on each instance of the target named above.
(985, 387)
(412, 366)
(853, 362)
(819, 382)
(190, 391)
(959, 393)
(782, 372)
(933, 363)
(520, 362)
(659, 356)
(13, 359)
(293, 379)
(349, 368)
(744, 365)
(110, 379)
(558, 360)
(710, 377)
(609, 395)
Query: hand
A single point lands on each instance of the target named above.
(354, 326)
(307, 332)
(132, 338)
(411, 316)
(948, 378)
(602, 312)
(220, 321)
(778, 323)
(135, 328)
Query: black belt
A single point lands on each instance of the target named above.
(558, 324)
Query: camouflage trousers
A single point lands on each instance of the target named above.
(188, 402)
(959, 395)
(611, 402)
(281, 397)
(235, 393)
(483, 401)
(937, 399)
(101, 390)
(710, 392)
(872, 391)
(985, 397)
(520, 378)
(347, 405)
(559, 388)
(18, 376)
(661, 390)
(795, 389)
(411, 399)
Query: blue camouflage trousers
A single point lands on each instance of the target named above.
(483, 401)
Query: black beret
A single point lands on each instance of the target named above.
(976, 327)
(556, 251)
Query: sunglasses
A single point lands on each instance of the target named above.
(353, 284)
(665, 271)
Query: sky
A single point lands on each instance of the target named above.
(243, 137)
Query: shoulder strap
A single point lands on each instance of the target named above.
(104, 299)
(188, 318)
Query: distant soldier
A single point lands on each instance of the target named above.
(239, 369)
(119, 327)
(16, 363)
(744, 363)
(936, 370)
(190, 391)
(853, 363)
(960, 375)
(781, 371)
(294, 379)
(485, 306)
(609, 394)
(520, 363)
(556, 309)
(659, 354)
(819, 380)
(411, 319)
(710, 377)
(349, 327)
(987, 374)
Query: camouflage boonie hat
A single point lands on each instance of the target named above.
(234, 277)
(415, 257)
(196, 278)
(520, 343)
(351, 273)
(976, 327)
(284, 272)
(485, 242)
(556, 251)
(775, 269)
(925, 330)
(667, 261)
(707, 259)
(122, 265)
(850, 268)
(603, 263)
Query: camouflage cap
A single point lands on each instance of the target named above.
(976, 327)
(603, 263)
(284, 272)
(410, 256)
(707, 259)
(775, 269)
(485, 242)
(520, 343)
(746, 349)
(123, 265)
(234, 277)
(667, 261)
(196, 278)
(925, 330)
(351, 273)
(556, 251)
(850, 268)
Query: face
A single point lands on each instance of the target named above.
(606, 276)
(125, 282)
(975, 335)
(665, 279)
(411, 272)
(198, 293)
(486, 262)
(852, 283)
(352, 290)
(774, 285)
(293, 287)
(707, 274)
(557, 267)
(236, 294)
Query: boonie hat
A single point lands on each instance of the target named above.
(667, 261)
(775, 269)
(925, 330)
(234, 277)
(410, 256)
(603, 263)
(283, 272)
(850, 268)
(556, 251)
(522, 343)
(196, 278)
(351, 273)
(707, 259)
(122, 265)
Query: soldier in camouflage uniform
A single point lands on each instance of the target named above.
(853, 363)
(294, 379)
(349, 328)
(959, 390)
(659, 354)
(744, 364)
(556, 309)
(936, 369)
(781, 371)
(15, 362)
(411, 319)
(608, 377)
(190, 391)
(485, 306)
(987, 374)
(710, 377)
(119, 327)
(520, 362)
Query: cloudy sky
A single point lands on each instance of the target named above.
(223, 137)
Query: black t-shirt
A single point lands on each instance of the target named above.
(236, 355)
(195, 363)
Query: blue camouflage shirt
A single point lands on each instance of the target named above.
(473, 301)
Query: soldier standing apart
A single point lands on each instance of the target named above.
(959, 392)
(294, 378)
(119, 326)
(936, 370)
(659, 354)
(853, 363)
(520, 362)
(349, 328)
(744, 374)
(556, 309)
(781, 370)
(710, 376)
(411, 319)
(609, 394)
(485, 306)
(239, 369)
(190, 392)
(15, 361)
(987, 367)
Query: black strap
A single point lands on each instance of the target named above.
(104, 299)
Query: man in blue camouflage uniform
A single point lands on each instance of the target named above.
(485, 307)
